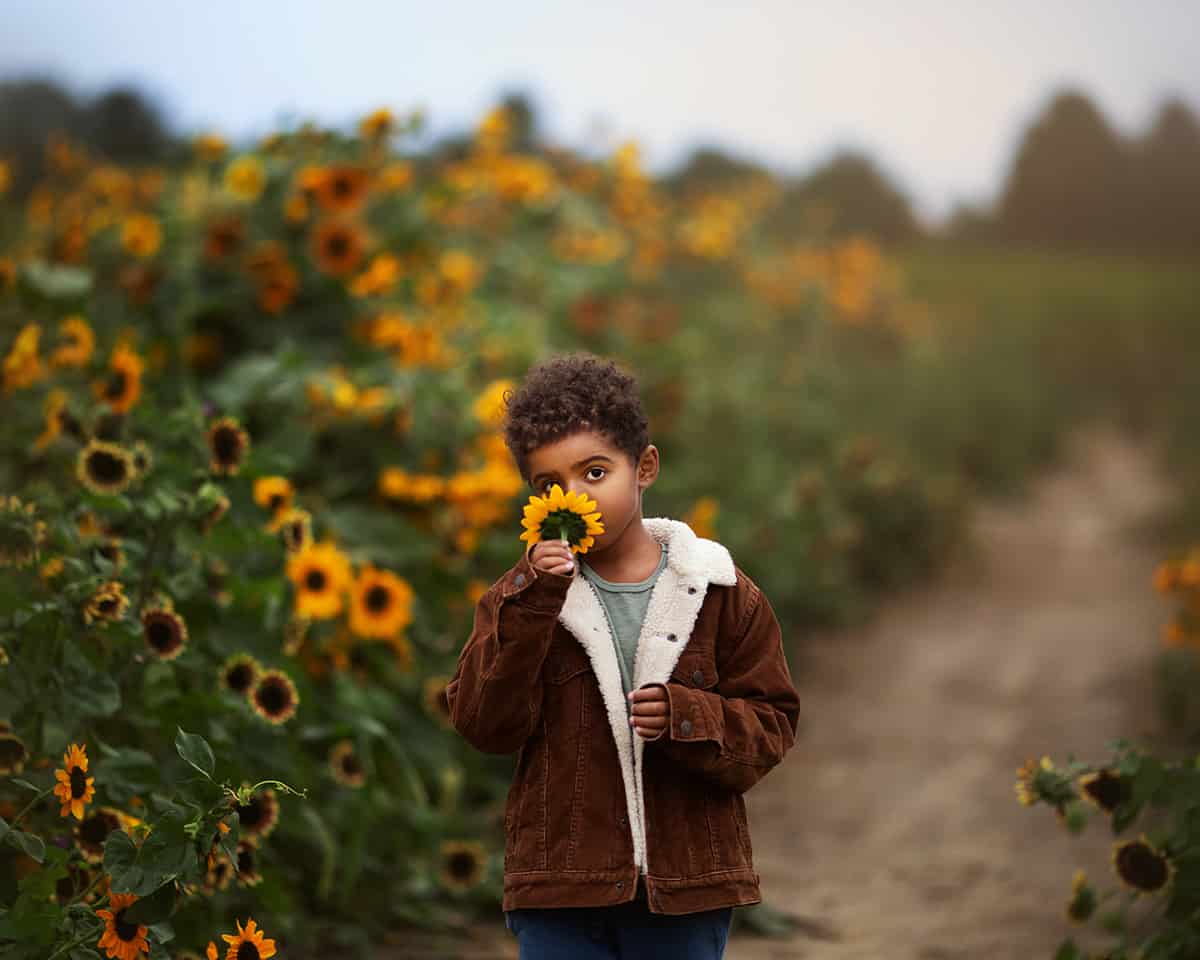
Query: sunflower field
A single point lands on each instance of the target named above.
(253, 482)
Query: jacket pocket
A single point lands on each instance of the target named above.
(728, 841)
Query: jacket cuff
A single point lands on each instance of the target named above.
(690, 715)
(536, 589)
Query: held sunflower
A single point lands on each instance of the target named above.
(570, 517)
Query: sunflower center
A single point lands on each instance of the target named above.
(251, 815)
(239, 677)
(247, 951)
(245, 860)
(342, 187)
(107, 605)
(1142, 867)
(315, 580)
(105, 467)
(378, 599)
(351, 764)
(461, 865)
(273, 696)
(116, 385)
(338, 245)
(126, 931)
(226, 444)
(275, 501)
(78, 782)
(95, 829)
(161, 634)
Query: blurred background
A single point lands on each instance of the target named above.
(266, 271)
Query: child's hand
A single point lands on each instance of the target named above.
(651, 709)
(553, 556)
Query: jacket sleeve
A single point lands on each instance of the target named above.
(495, 695)
(735, 733)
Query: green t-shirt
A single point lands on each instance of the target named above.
(625, 606)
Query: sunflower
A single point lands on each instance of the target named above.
(219, 508)
(57, 418)
(435, 697)
(107, 603)
(111, 550)
(345, 765)
(274, 697)
(210, 146)
(227, 443)
(320, 573)
(239, 673)
(273, 493)
(22, 366)
(462, 864)
(74, 788)
(295, 631)
(1082, 902)
(13, 753)
(338, 248)
(141, 235)
(219, 873)
(77, 343)
(143, 457)
(1104, 789)
(21, 533)
(380, 603)
(376, 124)
(343, 188)
(259, 815)
(123, 385)
(248, 944)
(277, 289)
(245, 178)
(121, 940)
(165, 632)
(562, 516)
(1140, 867)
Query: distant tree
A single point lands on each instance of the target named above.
(970, 225)
(1168, 185)
(708, 168)
(847, 195)
(125, 127)
(522, 114)
(30, 111)
(1070, 185)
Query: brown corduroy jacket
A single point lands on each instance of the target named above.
(593, 805)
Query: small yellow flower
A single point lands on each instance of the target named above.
(245, 178)
(141, 235)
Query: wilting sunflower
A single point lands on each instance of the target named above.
(462, 864)
(74, 788)
(121, 940)
(76, 342)
(228, 443)
(21, 533)
(343, 188)
(1026, 777)
(562, 516)
(273, 493)
(248, 944)
(259, 815)
(345, 765)
(380, 603)
(245, 178)
(338, 248)
(93, 830)
(122, 388)
(274, 697)
(320, 573)
(435, 697)
(239, 673)
(1140, 867)
(112, 551)
(165, 632)
(1082, 903)
(219, 508)
(219, 873)
(248, 874)
(1104, 789)
(13, 753)
(105, 467)
(377, 123)
(107, 603)
(57, 420)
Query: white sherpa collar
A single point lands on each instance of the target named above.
(692, 564)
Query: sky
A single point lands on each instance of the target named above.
(937, 92)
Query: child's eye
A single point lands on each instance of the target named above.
(546, 486)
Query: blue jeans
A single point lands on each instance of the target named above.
(628, 931)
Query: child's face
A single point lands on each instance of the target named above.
(588, 463)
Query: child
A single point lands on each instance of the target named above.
(642, 684)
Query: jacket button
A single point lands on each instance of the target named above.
(685, 727)
(621, 819)
(620, 884)
(698, 677)
(691, 589)
(672, 637)
(519, 579)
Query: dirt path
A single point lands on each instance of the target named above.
(893, 824)
(892, 828)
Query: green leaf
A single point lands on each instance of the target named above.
(25, 783)
(57, 281)
(154, 908)
(163, 932)
(165, 854)
(33, 845)
(1067, 951)
(195, 750)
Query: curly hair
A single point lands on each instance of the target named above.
(569, 393)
